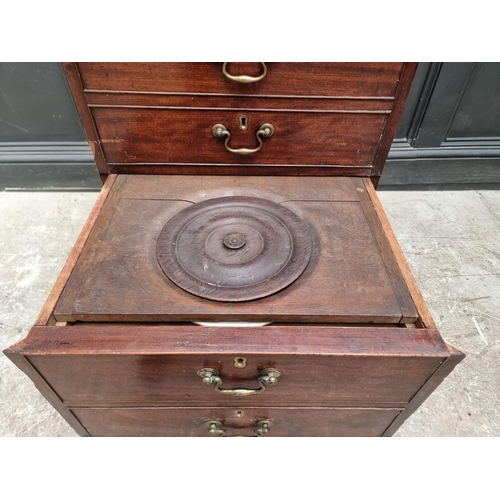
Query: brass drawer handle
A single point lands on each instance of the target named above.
(245, 78)
(265, 131)
(216, 428)
(269, 376)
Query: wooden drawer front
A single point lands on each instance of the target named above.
(306, 380)
(314, 422)
(298, 79)
(160, 136)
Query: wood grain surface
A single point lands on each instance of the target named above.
(156, 118)
(100, 376)
(147, 135)
(44, 387)
(310, 104)
(74, 81)
(392, 123)
(396, 275)
(172, 380)
(157, 365)
(178, 339)
(297, 79)
(118, 277)
(192, 422)
(428, 388)
(45, 317)
(350, 364)
(423, 311)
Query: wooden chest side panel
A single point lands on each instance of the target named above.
(13, 353)
(192, 422)
(441, 373)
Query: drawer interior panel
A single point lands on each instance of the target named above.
(349, 278)
(298, 79)
(184, 136)
(227, 422)
(348, 380)
(124, 281)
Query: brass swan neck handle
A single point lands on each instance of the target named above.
(269, 376)
(217, 428)
(220, 131)
(245, 78)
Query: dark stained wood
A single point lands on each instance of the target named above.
(45, 315)
(179, 339)
(97, 380)
(398, 282)
(25, 366)
(140, 135)
(75, 84)
(158, 365)
(392, 123)
(91, 241)
(118, 277)
(135, 378)
(234, 248)
(327, 99)
(195, 189)
(441, 373)
(252, 170)
(423, 311)
(184, 422)
(295, 79)
(262, 103)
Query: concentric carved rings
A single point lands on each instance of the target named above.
(234, 248)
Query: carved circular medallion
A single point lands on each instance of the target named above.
(234, 248)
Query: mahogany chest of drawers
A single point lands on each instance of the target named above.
(237, 275)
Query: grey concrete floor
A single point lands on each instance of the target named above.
(450, 238)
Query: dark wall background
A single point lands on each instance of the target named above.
(449, 132)
(42, 142)
(450, 129)
(36, 104)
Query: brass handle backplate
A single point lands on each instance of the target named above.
(269, 376)
(216, 428)
(245, 78)
(221, 132)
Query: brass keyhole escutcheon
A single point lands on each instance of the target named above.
(240, 362)
(238, 414)
(243, 122)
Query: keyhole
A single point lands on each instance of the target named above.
(243, 122)
(240, 362)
